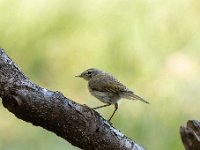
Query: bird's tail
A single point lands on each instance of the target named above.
(131, 95)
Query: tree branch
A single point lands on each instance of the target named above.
(190, 135)
(80, 125)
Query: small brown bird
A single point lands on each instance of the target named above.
(107, 88)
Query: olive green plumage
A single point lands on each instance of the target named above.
(107, 88)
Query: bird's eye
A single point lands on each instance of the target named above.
(89, 72)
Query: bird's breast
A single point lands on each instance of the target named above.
(105, 97)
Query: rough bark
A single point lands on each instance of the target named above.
(78, 124)
(190, 135)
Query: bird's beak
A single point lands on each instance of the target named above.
(79, 76)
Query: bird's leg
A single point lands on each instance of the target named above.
(116, 107)
(102, 106)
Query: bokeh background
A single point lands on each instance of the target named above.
(152, 46)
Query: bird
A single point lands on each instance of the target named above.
(106, 88)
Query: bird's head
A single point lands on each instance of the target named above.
(89, 73)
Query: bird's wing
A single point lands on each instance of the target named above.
(107, 83)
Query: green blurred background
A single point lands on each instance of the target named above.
(152, 46)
